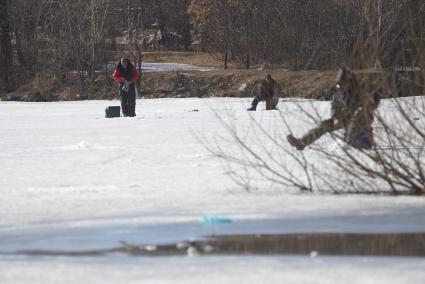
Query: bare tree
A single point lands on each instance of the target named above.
(304, 34)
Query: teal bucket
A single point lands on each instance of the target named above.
(112, 111)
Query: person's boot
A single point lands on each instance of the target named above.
(254, 104)
(295, 142)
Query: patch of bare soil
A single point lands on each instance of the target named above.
(407, 245)
(233, 83)
(240, 83)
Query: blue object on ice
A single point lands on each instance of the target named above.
(361, 141)
(214, 219)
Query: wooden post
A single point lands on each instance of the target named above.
(225, 60)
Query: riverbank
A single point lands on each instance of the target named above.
(202, 76)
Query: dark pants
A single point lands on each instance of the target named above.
(128, 101)
(324, 126)
(358, 130)
(271, 102)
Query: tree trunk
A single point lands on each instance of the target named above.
(6, 46)
(139, 49)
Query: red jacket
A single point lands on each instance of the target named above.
(120, 78)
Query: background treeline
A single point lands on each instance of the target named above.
(303, 34)
(54, 38)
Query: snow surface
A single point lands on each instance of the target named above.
(350, 270)
(163, 67)
(71, 179)
(167, 67)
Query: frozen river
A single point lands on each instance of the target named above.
(71, 179)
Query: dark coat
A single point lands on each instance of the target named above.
(355, 112)
(269, 88)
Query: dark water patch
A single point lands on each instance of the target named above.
(327, 244)
(406, 245)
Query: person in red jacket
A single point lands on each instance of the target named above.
(126, 75)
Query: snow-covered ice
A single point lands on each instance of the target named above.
(254, 269)
(71, 179)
